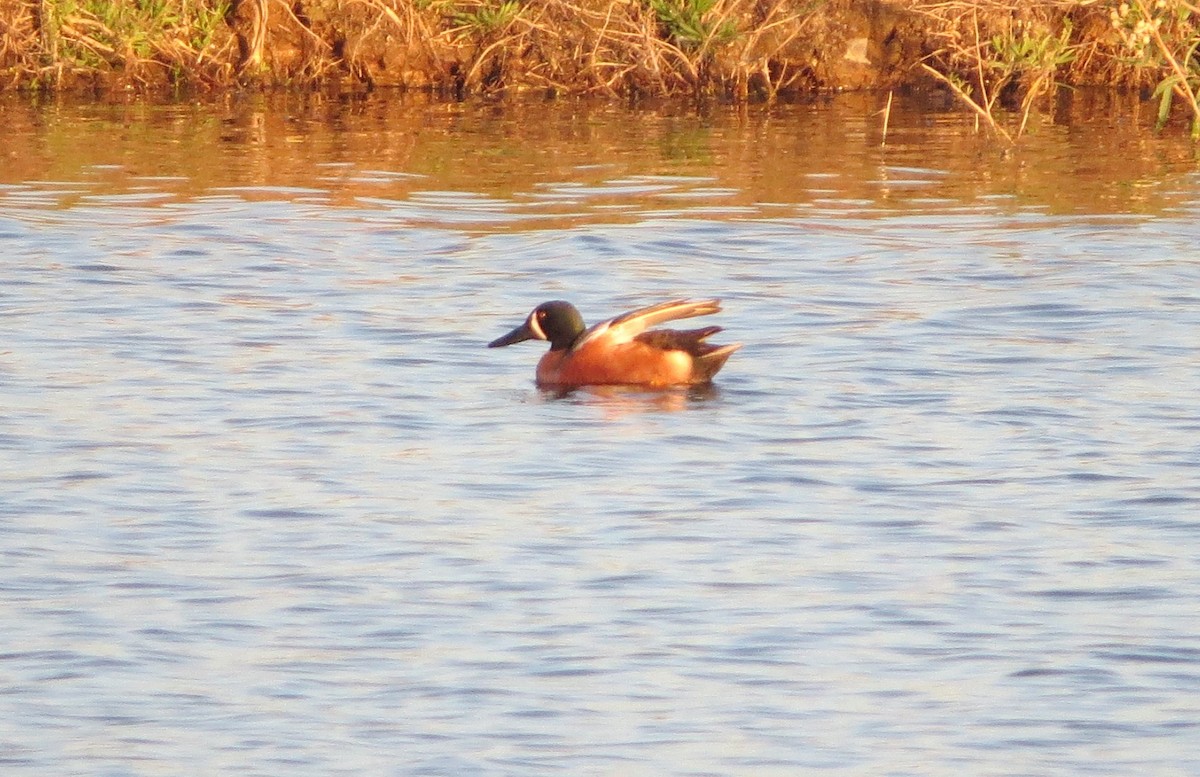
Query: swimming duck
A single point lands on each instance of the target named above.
(623, 350)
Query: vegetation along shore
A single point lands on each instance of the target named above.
(993, 55)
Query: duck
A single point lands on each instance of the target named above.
(623, 350)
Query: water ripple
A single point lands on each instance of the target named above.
(270, 506)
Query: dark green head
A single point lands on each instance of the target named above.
(557, 321)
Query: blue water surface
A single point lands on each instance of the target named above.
(270, 507)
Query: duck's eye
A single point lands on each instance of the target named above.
(541, 315)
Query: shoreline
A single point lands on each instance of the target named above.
(1001, 60)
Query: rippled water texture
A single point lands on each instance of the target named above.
(270, 507)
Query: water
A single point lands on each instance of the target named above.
(270, 507)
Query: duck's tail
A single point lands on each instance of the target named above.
(708, 364)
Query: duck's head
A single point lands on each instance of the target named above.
(557, 321)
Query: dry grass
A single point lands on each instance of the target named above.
(56, 43)
(994, 55)
(739, 48)
(1164, 37)
(1001, 58)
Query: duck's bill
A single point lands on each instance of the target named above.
(518, 335)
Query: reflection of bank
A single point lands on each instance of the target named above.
(534, 167)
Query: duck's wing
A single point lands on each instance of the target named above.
(627, 326)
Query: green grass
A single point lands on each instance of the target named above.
(114, 33)
(488, 18)
(1164, 38)
(1001, 58)
(691, 25)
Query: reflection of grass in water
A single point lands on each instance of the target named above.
(692, 145)
(581, 160)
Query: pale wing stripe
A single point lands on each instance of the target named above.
(629, 325)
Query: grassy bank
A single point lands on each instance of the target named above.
(997, 57)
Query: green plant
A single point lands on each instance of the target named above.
(1023, 58)
(1164, 37)
(688, 25)
(488, 18)
(206, 20)
(94, 33)
(1031, 57)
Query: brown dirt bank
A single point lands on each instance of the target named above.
(990, 52)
